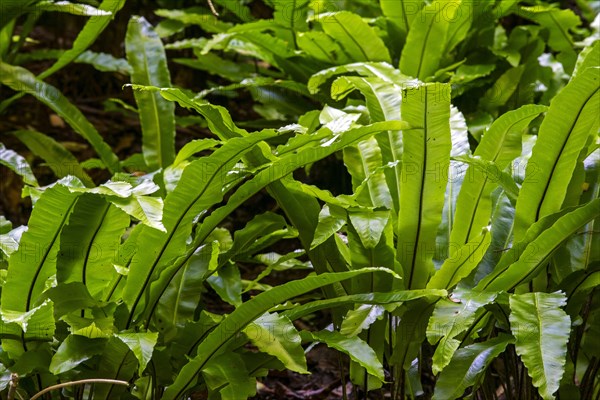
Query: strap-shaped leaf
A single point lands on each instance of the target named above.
(500, 145)
(360, 318)
(193, 16)
(467, 366)
(86, 37)
(460, 262)
(523, 262)
(292, 14)
(181, 298)
(275, 171)
(450, 318)
(89, 243)
(244, 315)
(146, 55)
(19, 328)
(219, 121)
(35, 260)
(542, 331)
(275, 334)
(380, 70)
(571, 119)
(426, 40)
(424, 177)
(57, 158)
(356, 37)
(456, 174)
(67, 7)
(392, 297)
(322, 47)
(401, 13)
(21, 80)
(356, 348)
(17, 164)
(383, 100)
(199, 188)
(587, 58)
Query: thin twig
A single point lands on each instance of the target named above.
(81, 382)
(212, 8)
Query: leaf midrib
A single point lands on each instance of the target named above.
(421, 194)
(46, 253)
(170, 235)
(558, 159)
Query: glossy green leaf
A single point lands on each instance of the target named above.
(369, 225)
(380, 70)
(426, 158)
(259, 227)
(354, 347)
(134, 200)
(322, 47)
(148, 60)
(73, 351)
(500, 145)
(461, 262)
(365, 298)
(493, 174)
(467, 366)
(90, 32)
(587, 58)
(56, 156)
(17, 164)
(104, 62)
(199, 188)
(361, 318)
(331, 219)
(541, 329)
(193, 147)
(20, 328)
(68, 7)
(141, 344)
(559, 24)
(275, 334)
(292, 14)
(502, 90)
(35, 261)
(195, 16)
(571, 119)
(89, 242)
(38, 319)
(427, 38)
(116, 362)
(361, 43)
(227, 282)
(180, 300)
(227, 375)
(450, 318)
(401, 13)
(523, 262)
(244, 315)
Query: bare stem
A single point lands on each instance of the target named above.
(81, 382)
